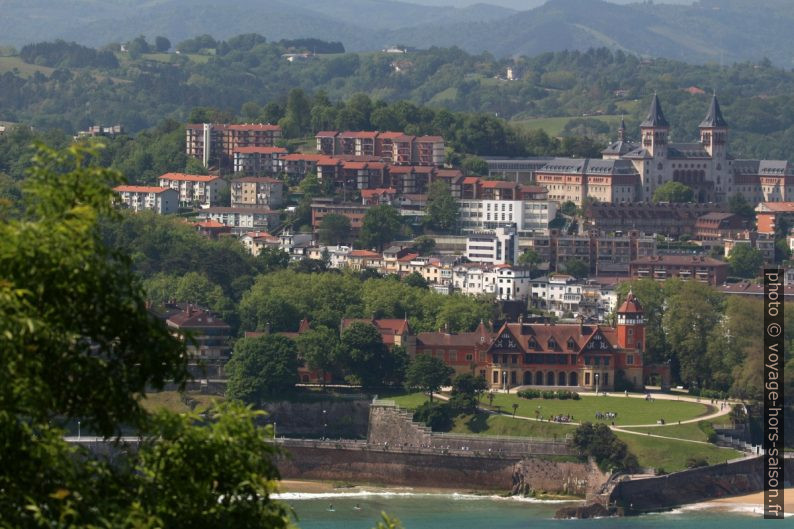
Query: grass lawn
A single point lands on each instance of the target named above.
(409, 401)
(692, 431)
(554, 126)
(629, 410)
(483, 424)
(172, 401)
(672, 455)
(8, 64)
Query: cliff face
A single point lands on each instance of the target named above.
(531, 476)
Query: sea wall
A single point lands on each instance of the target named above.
(692, 486)
(429, 467)
(335, 419)
(393, 426)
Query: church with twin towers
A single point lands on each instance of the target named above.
(631, 170)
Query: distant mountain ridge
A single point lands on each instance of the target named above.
(707, 31)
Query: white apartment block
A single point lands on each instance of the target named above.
(195, 190)
(162, 200)
(503, 281)
(246, 219)
(499, 247)
(530, 217)
(564, 295)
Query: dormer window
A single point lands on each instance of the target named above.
(552, 343)
(571, 344)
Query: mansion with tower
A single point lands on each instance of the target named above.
(578, 355)
(630, 171)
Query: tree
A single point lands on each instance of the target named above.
(529, 258)
(318, 347)
(474, 165)
(271, 259)
(577, 268)
(442, 208)
(162, 44)
(415, 279)
(569, 208)
(745, 261)
(262, 367)
(466, 391)
(673, 192)
(601, 443)
(380, 226)
(428, 373)
(693, 310)
(363, 354)
(425, 244)
(739, 205)
(61, 322)
(334, 229)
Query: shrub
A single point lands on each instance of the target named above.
(601, 443)
(529, 394)
(695, 462)
(548, 395)
(708, 429)
(436, 415)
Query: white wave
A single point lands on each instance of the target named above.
(297, 496)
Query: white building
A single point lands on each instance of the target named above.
(246, 219)
(530, 217)
(159, 199)
(201, 190)
(499, 247)
(501, 281)
(563, 295)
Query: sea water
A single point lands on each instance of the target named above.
(361, 510)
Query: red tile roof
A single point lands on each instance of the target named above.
(355, 166)
(140, 189)
(498, 184)
(387, 327)
(430, 138)
(469, 180)
(303, 157)
(369, 193)
(261, 150)
(210, 224)
(254, 127)
(326, 134)
(189, 177)
(364, 253)
(775, 207)
(194, 318)
(631, 305)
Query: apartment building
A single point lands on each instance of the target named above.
(243, 219)
(716, 226)
(215, 143)
(503, 282)
(390, 147)
(671, 220)
(763, 242)
(262, 192)
(326, 206)
(195, 190)
(499, 247)
(258, 161)
(771, 216)
(694, 267)
(210, 335)
(161, 200)
(487, 205)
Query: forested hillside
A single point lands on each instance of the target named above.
(70, 88)
(706, 30)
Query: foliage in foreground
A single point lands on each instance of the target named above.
(601, 443)
(76, 342)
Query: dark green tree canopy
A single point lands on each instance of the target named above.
(428, 373)
(745, 261)
(262, 368)
(380, 226)
(334, 229)
(673, 192)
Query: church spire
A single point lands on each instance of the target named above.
(655, 116)
(714, 118)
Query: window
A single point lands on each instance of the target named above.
(469, 357)
(629, 359)
(587, 379)
(606, 361)
(496, 377)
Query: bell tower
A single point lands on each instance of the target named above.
(714, 131)
(654, 130)
(631, 324)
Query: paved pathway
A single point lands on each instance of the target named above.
(622, 428)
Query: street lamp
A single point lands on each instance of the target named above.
(596, 381)
(78, 429)
(325, 424)
(504, 380)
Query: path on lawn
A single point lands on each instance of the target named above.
(622, 428)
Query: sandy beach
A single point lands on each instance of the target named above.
(756, 501)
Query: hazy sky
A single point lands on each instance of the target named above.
(524, 4)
